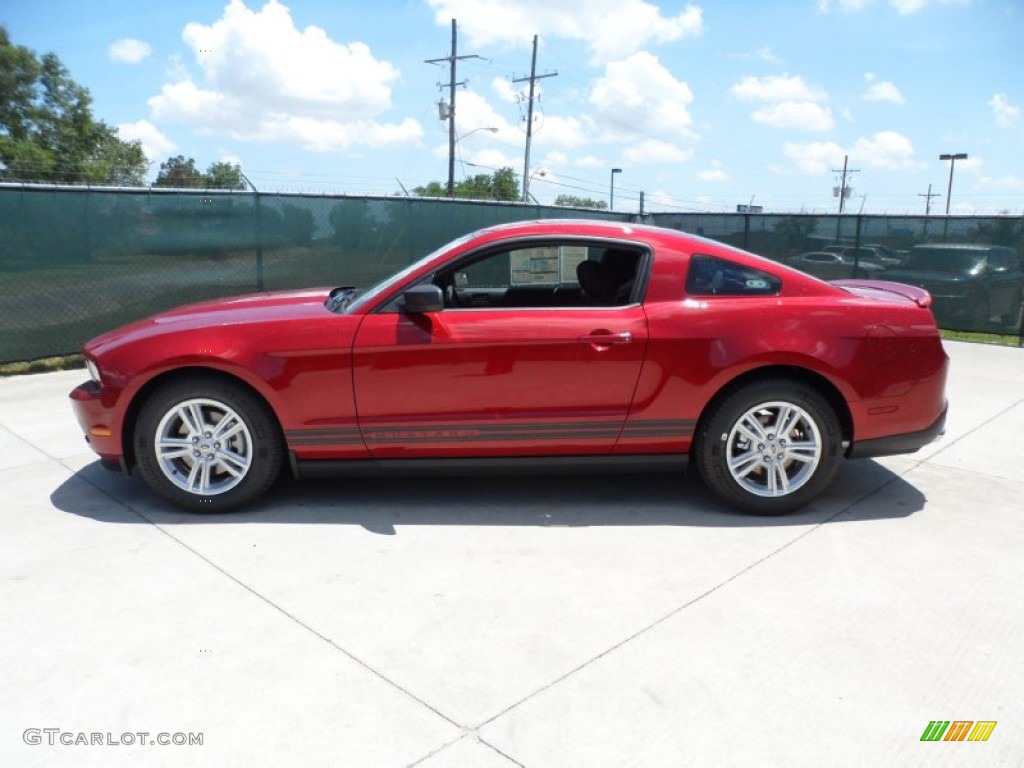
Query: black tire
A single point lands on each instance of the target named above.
(236, 471)
(770, 465)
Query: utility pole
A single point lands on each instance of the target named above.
(928, 199)
(451, 103)
(533, 78)
(843, 191)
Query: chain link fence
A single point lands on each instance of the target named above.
(972, 266)
(75, 262)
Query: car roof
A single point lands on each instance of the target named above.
(980, 247)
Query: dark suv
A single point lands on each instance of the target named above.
(975, 287)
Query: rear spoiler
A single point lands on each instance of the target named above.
(884, 289)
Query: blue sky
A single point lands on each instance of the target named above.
(703, 105)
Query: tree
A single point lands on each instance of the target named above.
(572, 201)
(1001, 230)
(797, 229)
(179, 172)
(47, 129)
(501, 185)
(224, 175)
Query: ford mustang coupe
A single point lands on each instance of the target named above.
(543, 345)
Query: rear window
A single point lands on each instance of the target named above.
(712, 276)
(943, 259)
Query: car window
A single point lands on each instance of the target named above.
(712, 276)
(555, 275)
(943, 259)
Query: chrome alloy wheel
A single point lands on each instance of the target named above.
(203, 447)
(773, 449)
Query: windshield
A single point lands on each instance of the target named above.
(371, 293)
(943, 260)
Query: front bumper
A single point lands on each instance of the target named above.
(98, 421)
(896, 444)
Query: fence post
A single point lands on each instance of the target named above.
(259, 243)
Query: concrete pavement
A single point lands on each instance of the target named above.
(536, 621)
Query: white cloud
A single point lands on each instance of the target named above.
(776, 88)
(154, 143)
(473, 113)
(789, 102)
(1000, 183)
(560, 132)
(654, 151)
(129, 50)
(506, 90)
(1007, 115)
(815, 157)
(803, 115)
(714, 174)
(886, 150)
(610, 28)
(639, 94)
(882, 91)
(591, 161)
(265, 80)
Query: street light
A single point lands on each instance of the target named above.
(538, 173)
(611, 191)
(475, 130)
(952, 164)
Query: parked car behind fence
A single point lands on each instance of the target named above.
(974, 286)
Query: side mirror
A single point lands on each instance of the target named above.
(423, 298)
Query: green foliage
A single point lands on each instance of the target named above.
(180, 172)
(224, 175)
(572, 201)
(1005, 230)
(47, 129)
(501, 185)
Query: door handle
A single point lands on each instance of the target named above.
(602, 339)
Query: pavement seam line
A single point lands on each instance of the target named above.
(476, 737)
(31, 445)
(679, 609)
(273, 605)
(971, 431)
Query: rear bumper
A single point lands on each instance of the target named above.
(896, 444)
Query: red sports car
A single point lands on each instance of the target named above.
(545, 344)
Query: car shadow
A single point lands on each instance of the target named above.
(862, 490)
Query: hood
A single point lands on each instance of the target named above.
(250, 309)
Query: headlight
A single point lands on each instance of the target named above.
(94, 371)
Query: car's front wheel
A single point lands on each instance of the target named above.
(770, 447)
(206, 444)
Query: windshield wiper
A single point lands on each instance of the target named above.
(339, 298)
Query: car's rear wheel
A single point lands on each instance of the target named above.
(206, 444)
(770, 447)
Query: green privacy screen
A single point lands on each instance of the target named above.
(76, 262)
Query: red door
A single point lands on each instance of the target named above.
(497, 382)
